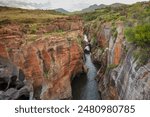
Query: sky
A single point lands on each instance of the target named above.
(70, 5)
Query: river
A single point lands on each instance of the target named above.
(85, 87)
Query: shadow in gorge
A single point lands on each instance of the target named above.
(84, 86)
(78, 85)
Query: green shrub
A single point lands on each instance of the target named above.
(112, 66)
(33, 29)
(122, 18)
(46, 74)
(140, 35)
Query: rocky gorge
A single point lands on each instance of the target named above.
(124, 71)
(103, 54)
(123, 78)
(120, 77)
(40, 65)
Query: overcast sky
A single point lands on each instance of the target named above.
(70, 5)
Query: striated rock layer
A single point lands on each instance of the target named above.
(49, 60)
(120, 76)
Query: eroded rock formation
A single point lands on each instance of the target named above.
(49, 58)
(12, 82)
(120, 76)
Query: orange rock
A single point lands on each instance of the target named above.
(104, 35)
(3, 52)
(49, 62)
(102, 41)
(118, 44)
(117, 53)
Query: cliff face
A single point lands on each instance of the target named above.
(132, 81)
(49, 58)
(120, 76)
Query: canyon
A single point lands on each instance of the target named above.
(103, 54)
(120, 75)
(120, 51)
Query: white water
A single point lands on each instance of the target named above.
(85, 38)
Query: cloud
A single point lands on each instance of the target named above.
(26, 1)
(78, 6)
(28, 4)
(70, 5)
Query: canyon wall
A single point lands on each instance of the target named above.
(120, 76)
(48, 57)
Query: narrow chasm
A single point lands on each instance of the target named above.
(85, 86)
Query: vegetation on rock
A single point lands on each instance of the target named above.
(140, 35)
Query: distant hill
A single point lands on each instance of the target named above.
(90, 8)
(95, 6)
(61, 10)
(116, 5)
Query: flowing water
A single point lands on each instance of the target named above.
(85, 87)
